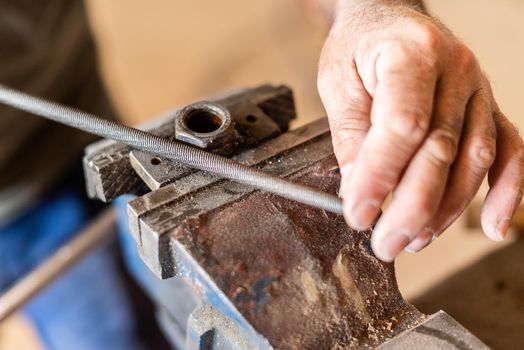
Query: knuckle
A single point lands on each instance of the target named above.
(512, 139)
(515, 190)
(483, 151)
(396, 54)
(518, 146)
(349, 134)
(425, 211)
(519, 191)
(350, 121)
(409, 125)
(430, 38)
(383, 179)
(394, 48)
(441, 146)
(466, 61)
(519, 151)
(399, 54)
(425, 207)
(516, 141)
(457, 204)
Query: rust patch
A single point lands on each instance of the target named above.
(280, 262)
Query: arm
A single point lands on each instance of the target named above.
(412, 113)
(329, 9)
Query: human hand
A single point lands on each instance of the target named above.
(412, 113)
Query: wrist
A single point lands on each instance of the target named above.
(344, 9)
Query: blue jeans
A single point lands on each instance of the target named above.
(89, 307)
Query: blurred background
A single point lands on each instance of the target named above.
(158, 55)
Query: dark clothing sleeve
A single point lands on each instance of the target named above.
(45, 49)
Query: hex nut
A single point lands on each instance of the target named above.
(206, 125)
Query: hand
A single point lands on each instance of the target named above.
(412, 113)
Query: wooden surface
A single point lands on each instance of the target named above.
(171, 53)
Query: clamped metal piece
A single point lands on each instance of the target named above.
(258, 114)
(207, 125)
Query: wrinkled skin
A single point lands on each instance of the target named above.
(412, 114)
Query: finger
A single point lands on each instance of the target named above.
(505, 180)
(348, 106)
(401, 110)
(475, 157)
(419, 193)
(421, 241)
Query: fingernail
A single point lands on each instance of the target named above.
(343, 188)
(344, 180)
(410, 250)
(363, 214)
(345, 171)
(388, 247)
(422, 240)
(503, 227)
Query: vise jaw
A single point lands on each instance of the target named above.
(266, 272)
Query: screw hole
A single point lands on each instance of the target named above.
(203, 122)
(156, 161)
(251, 118)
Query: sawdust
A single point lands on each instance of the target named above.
(309, 286)
(340, 270)
(302, 279)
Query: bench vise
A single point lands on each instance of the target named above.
(244, 269)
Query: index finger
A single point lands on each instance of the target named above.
(401, 114)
